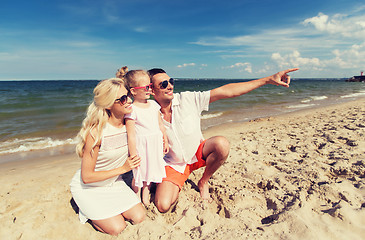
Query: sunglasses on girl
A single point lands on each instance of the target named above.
(147, 87)
(123, 99)
(165, 83)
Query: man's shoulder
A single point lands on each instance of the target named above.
(191, 93)
(189, 98)
(185, 96)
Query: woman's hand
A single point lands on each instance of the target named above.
(131, 163)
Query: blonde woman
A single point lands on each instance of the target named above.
(97, 188)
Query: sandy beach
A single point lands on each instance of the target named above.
(294, 176)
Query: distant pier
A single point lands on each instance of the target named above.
(360, 78)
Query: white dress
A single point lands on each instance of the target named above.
(149, 143)
(111, 197)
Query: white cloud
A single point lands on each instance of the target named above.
(264, 43)
(266, 69)
(344, 25)
(316, 36)
(331, 44)
(359, 8)
(242, 67)
(294, 59)
(353, 57)
(186, 65)
(261, 40)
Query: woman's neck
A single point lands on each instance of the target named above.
(116, 121)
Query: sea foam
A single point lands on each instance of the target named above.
(359, 94)
(314, 98)
(212, 115)
(300, 106)
(29, 144)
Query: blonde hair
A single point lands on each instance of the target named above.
(121, 72)
(97, 114)
(130, 77)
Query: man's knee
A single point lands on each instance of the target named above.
(221, 146)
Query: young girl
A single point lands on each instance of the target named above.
(146, 134)
(97, 188)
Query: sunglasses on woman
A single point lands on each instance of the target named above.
(165, 83)
(147, 87)
(123, 99)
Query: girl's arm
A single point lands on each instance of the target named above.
(88, 173)
(130, 125)
(166, 147)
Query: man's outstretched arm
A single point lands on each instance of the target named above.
(237, 89)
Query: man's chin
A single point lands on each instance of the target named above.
(170, 96)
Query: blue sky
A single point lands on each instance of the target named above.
(63, 39)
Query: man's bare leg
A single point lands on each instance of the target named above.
(166, 195)
(215, 152)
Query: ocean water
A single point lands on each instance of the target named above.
(38, 115)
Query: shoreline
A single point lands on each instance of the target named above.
(207, 125)
(296, 113)
(276, 110)
(299, 175)
(42, 123)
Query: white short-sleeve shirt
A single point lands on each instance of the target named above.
(184, 131)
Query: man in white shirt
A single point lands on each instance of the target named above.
(188, 150)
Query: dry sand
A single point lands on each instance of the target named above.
(295, 176)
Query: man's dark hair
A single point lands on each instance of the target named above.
(152, 72)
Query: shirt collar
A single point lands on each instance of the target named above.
(176, 100)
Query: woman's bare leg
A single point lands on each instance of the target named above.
(112, 226)
(117, 224)
(135, 214)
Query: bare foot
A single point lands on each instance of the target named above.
(204, 191)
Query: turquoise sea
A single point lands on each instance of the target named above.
(37, 115)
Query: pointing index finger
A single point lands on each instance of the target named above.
(291, 70)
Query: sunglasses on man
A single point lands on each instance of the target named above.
(165, 83)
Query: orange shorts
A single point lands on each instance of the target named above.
(179, 178)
